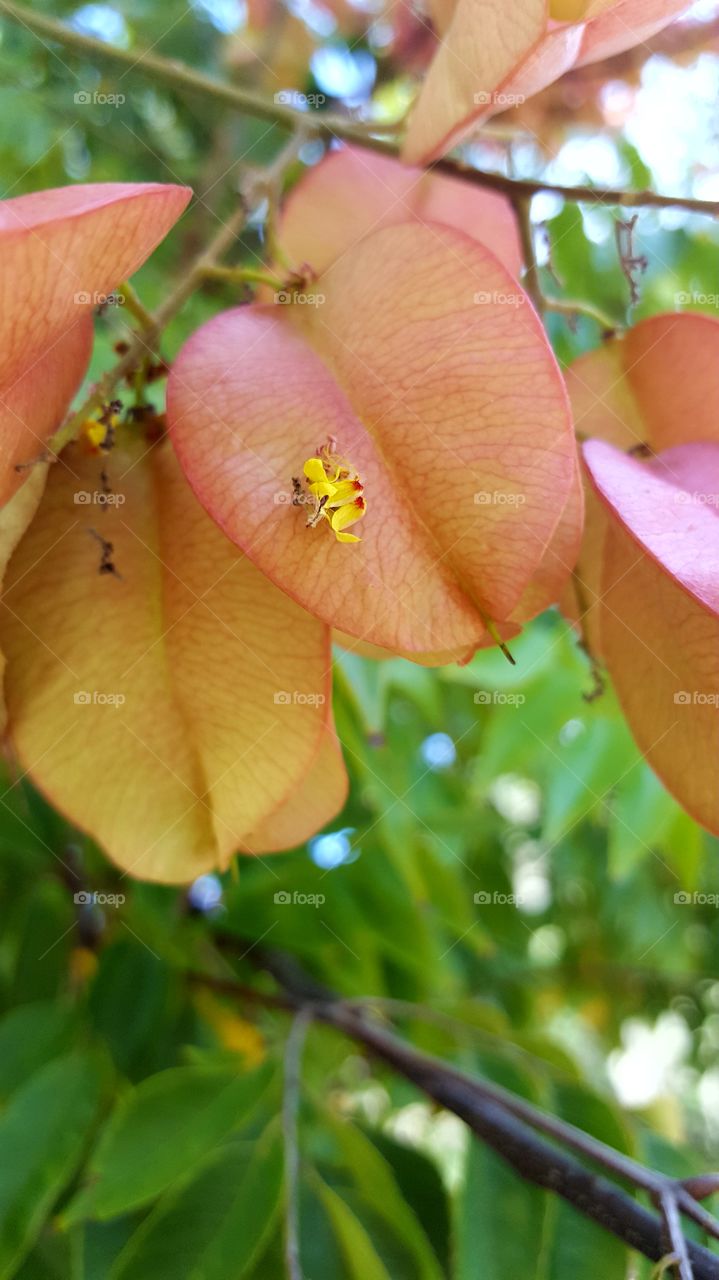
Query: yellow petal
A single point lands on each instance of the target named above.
(344, 492)
(323, 489)
(345, 516)
(314, 469)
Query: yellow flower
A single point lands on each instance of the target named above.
(337, 493)
(95, 432)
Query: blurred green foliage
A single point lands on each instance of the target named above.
(515, 878)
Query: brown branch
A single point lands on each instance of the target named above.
(522, 206)
(509, 1125)
(186, 79)
(146, 340)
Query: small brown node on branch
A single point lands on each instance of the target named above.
(154, 424)
(598, 683)
(704, 1185)
(107, 564)
(546, 238)
(158, 369)
(633, 264)
(105, 484)
(139, 413)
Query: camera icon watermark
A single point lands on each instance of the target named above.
(299, 101)
(297, 698)
(85, 299)
(284, 898)
(496, 498)
(485, 298)
(84, 98)
(288, 297)
(86, 498)
(84, 899)
(685, 498)
(283, 498)
(695, 698)
(95, 698)
(483, 898)
(686, 298)
(503, 101)
(696, 899)
(495, 697)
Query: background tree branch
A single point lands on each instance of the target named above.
(505, 1123)
(186, 79)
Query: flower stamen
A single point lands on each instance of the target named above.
(334, 491)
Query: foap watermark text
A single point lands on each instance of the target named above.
(96, 698)
(296, 899)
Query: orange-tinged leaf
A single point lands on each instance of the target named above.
(34, 405)
(61, 252)
(320, 795)
(659, 610)
(656, 387)
(603, 401)
(15, 516)
(481, 45)
(353, 192)
(669, 506)
(172, 710)
(581, 595)
(559, 557)
(438, 658)
(450, 410)
(612, 28)
(493, 55)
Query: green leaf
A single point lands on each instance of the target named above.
(43, 1132)
(519, 1229)
(421, 1185)
(378, 1187)
(159, 1130)
(129, 999)
(31, 1036)
(501, 1220)
(362, 1260)
(96, 1245)
(218, 1223)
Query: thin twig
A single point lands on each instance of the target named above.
(675, 1233)
(145, 341)
(186, 79)
(290, 1111)
(244, 275)
(572, 308)
(522, 206)
(633, 264)
(531, 279)
(134, 304)
(240, 991)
